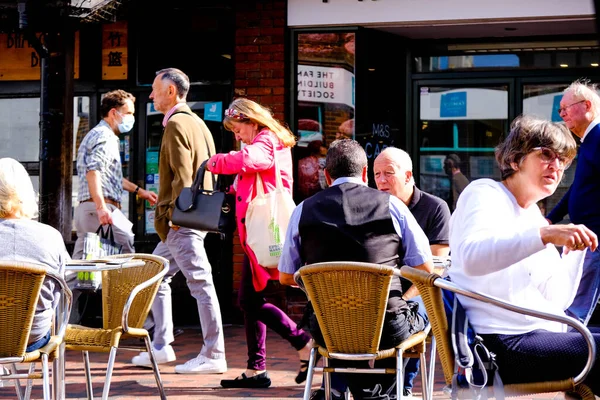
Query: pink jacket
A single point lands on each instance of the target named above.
(255, 157)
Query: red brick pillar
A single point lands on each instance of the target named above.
(260, 75)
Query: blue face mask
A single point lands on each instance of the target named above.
(127, 122)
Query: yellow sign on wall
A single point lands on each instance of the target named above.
(114, 51)
(20, 62)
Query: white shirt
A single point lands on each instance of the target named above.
(497, 250)
(590, 127)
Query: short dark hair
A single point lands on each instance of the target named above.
(528, 132)
(454, 160)
(179, 79)
(345, 158)
(114, 99)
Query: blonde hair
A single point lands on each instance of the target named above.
(17, 197)
(248, 111)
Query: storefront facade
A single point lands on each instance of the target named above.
(434, 77)
(430, 76)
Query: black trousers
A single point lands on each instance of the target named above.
(540, 356)
(398, 326)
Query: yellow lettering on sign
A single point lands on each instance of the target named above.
(114, 51)
(20, 62)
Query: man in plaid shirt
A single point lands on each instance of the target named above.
(101, 180)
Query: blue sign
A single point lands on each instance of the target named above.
(453, 105)
(213, 111)
(555, 106)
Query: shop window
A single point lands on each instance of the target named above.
(507, 59)
(325, 102)
(543, 100)
(459, 127)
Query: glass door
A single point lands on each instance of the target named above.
(458, 127)
(543, 100)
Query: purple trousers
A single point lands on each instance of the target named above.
(258, 315)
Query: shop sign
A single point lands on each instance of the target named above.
(213, 111)
(114, 51)
(20, 62)
(453, 105)
(325, 85)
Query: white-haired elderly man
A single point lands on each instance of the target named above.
(393, 174)
(580, 109)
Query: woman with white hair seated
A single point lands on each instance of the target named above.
(24, 239)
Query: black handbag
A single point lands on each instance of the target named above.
(205, 210)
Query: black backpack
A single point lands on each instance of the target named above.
(475, 366)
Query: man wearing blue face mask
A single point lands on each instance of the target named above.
(101, 181)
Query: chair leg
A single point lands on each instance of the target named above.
(88, 375)
(424, 381)
(310, 373)
(46, 377)
(431, 378)
(109, 369)
(159, 383)
(13, 369)
(399, 374)
(327, 379)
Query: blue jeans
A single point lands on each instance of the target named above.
(38, 344)
(588, 292)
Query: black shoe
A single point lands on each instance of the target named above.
(319, 394)
(406, 394)
(303, 372)
(259, 381)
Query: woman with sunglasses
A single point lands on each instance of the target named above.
(502, 246)
(263, 136)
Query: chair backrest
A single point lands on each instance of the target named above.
(118, 285)
(434, 305)
(20, 286)
(349, 300)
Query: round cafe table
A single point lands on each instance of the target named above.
(58, 365)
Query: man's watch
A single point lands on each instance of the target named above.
(137, 189)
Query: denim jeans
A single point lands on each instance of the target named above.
(38, 344)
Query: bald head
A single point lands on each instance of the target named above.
(393, 173)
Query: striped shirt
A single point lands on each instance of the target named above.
(99, 151)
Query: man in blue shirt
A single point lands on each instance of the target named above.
(580, 109)
(350, 221)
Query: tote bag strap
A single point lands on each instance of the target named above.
(260, 187)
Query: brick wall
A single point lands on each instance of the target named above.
(260, 74)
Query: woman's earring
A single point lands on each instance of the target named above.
(514, 166)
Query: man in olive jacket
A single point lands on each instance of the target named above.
(185, 144)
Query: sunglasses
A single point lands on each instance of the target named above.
(233, 113)
(547, 156)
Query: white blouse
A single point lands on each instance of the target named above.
(497, 250)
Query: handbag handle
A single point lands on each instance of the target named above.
(106, 235)
(260, 189)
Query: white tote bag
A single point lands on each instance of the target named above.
(267, 220)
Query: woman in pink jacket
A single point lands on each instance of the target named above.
(262, 135)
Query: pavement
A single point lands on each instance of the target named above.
(134, 383)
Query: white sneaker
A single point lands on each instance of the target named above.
(164, 355)
(202, 365)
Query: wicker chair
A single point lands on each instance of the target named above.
(349, 300)
(20, 287)
(127, 295)
(430, 286)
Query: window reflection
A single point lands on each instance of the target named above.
(325, 108)
(458, 131)
(543, 100)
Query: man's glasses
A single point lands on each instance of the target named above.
(565, 108)
(548, 156)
